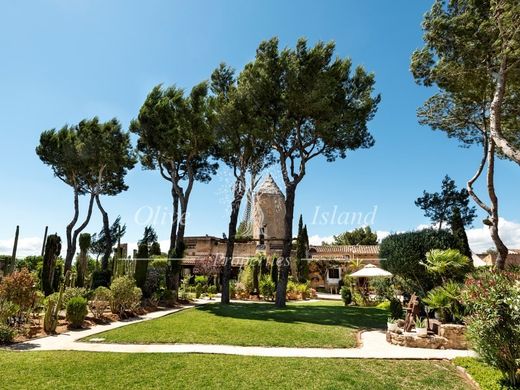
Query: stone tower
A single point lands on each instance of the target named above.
(269, 214)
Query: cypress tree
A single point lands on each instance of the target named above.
(274, 271)
(458, 230)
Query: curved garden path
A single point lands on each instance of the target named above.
(374, 345)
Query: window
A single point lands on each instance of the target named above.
(333, 273)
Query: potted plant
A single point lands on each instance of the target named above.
(391, 324)
(420, 328)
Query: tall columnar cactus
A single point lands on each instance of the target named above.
(84, 246)
(52, 250)
(50, 321)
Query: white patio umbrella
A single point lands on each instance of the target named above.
(370, 271)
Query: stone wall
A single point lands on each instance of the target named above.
(450, 336)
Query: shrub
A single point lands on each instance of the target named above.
(212, 291)
(201, 279)
(100, 301)
(396, 309)
(7, 310)
(155, 278)
(198, 291)
(267, 288)
(246, 280)
(73, 292)
(126, 297)
(346, 295)
(232, 289)
(19, 288)
(76, 311)
(385, 305)
(6, 334)
(405, 255)
(493, 300)
(303, 289)
(382, 287)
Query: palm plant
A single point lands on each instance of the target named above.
(445, 262)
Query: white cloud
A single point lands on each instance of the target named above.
(26, 246)
(480, 238)
(318, 240)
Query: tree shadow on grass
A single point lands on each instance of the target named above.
(349, 317)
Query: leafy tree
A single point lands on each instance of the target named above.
(81, 266)
(176, 137)
(472, 54)
(459, 232)
(310, 104)
(439, 206)
(404, 255)
(359, 236)
(146, 247)
(239, 145)
(52, 251)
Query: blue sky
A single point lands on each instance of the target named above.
(65, 60)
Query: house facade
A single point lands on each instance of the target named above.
(327, 263)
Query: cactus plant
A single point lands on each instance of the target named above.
(50, 321)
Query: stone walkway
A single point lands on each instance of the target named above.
(374, 345)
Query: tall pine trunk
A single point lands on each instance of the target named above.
(285, 262)
(108, 236)
(72, 237)
(232, 230)
(502, 250)
(71, 249)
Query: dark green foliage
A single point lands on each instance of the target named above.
(6, 334)
(346, 295)
(52, 251)
(396, 309)
(147, 247)
(101, 278)
(76, 311)
(30, 262)
(302, 245)
(274, 271)
(459, 232)
(403, 255)
(440, 206)
(359, 236)
(141, 265)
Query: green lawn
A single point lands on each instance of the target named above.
(318, 324)
(90, 370)
(487, 377)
